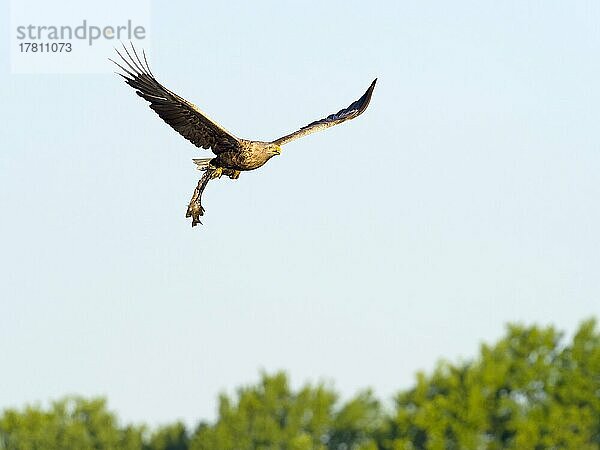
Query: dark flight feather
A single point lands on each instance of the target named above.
(354, 110)
(183, 116)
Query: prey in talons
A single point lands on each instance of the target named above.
(195, 208)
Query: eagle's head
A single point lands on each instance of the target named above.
(274, 149)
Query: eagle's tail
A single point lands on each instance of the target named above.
(202, 163)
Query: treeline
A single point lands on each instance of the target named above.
(528, 391)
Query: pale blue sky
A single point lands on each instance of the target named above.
(465, 197)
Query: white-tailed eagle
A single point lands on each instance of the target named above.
(233, 155)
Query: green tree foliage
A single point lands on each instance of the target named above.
(528, 391)
(72, 423)
(270, 416)
(170, 437)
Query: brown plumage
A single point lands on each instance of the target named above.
(233, 155)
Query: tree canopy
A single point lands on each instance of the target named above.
(528, 391)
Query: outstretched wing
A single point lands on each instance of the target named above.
(352, 111)
(181, 115)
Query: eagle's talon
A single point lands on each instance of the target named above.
(217, 173)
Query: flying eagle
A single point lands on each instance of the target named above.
(233, 155)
